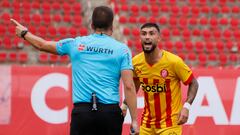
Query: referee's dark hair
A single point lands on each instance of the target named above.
(102, 17)
(146, 25)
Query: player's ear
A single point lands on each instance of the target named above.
(92, 26)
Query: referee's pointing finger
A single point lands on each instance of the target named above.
(16, 22)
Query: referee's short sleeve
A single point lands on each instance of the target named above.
(126, 59)
(63, 46)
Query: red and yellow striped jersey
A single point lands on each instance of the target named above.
(162, 88)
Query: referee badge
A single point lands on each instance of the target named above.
(81, 47)
(164, 73)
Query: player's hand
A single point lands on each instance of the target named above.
(134, 128)
(183, 116)
(124, 109)
(19, 27)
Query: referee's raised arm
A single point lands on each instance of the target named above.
(36, 41)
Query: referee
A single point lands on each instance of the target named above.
(98, 63)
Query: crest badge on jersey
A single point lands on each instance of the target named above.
(81, 47)
(164, 73)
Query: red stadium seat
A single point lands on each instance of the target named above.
(196, 32)
(16, 16)
(169, 46)
(223, 59)
(22, 57)
(215, 10)
(3, 56)
(164, 8)
(203, 21)
(2, 30)
(152, 19)
(134, 9)
(235, 9)
(35, 5)
(135, 32)
(42, 31)
(123, 19)
(154, 9)
(26, 18)
(225, 9)
(52, 31)
(62, 31)
(16, 6)
(26, 7)
(53, 58)
(43, 57)
(126, 31)
(165, 33)
(229, 45)
(189, 46)
(64, 59)
(77, 20)
(77, 8)
(223, 21)
(12, 56)
(83, 31)
(56, 5)
(129, 43)
(66, 7)
(183, 22)
(206, 34)
(162, 20)
(46, 19)
(5, 4)
(144, 8)
(72, 31)
(227, 34)
(199, 46)
(217, 33)
(192, 56)
(57, 18)
(193, 21)
(67, 18)
(46, 7)
(179, 46)
(212, 57)
(176, 32)
(202, 59)
(185, 10)
(172, 21)
(36, 18)
(5, 18)
(186, 33)
(234, 22)
(132, 19)
(209, 46)
(124, 8)
(195, 11)
(233, 58)
(7, 43)
(142, 19)
(220, 46)
(236, 34)
(182, 55)
(175, 10)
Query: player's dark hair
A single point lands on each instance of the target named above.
(102, 17)
(147, 25)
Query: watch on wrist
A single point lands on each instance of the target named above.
(23, 33)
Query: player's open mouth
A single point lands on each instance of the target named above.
(147, 43)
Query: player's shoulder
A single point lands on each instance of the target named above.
(171, 56)
(138, 58)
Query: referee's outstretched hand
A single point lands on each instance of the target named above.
(19, 27)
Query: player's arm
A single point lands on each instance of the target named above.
(37, 42)
(192, 91)
(130, 96)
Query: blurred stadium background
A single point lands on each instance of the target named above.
(204, 33)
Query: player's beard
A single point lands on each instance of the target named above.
(149, 49)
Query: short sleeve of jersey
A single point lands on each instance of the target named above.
(183, 72)
(63, 46)
(127, 60)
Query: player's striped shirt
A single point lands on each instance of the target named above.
(162, 89)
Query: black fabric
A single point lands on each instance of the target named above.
(107, 120)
